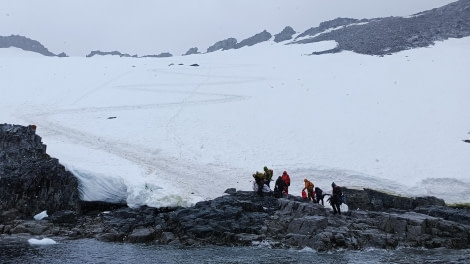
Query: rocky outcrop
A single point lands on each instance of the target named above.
(286, 34)
(373, 200)
(310, 225)
(192, 51)
(30, 180)
(112, 53)
(27, 44)
(161, 55)
(244, 218)
(253, 40)
(330, 24)
(226, 44)
(382, 36)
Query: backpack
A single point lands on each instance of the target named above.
(318, 192)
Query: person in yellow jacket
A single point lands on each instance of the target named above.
(260, 180)
(309, 187)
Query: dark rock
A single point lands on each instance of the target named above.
(27, 44)
(458, 215)
(95, 207)
(331, 24)
(64, 217)
(161, 55)
(368, 199)
(226, 44)
(192, 51)
(258, 38)
(194, 65)
(285, 34)
(30, 180)
(382, 36)
(141, 235)
(231, 191)
(105, 53)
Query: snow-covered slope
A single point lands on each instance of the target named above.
(161, 132)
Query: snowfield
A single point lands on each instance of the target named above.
(160, 132)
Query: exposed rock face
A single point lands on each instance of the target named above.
(368, 199)
(226, 44)
(27, 44)
(192, 51)
(113, 53)
(161, 55)
(305, 224)
(383, 36)
(284, 35)
(30, 180)
(331, 24)
(258, 38)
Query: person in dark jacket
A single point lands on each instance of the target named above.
(335, 200)
(319, 195)
(279, 187)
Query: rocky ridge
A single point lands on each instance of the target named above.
(26, 44)
(31, 181)
(378, 36)
(382, 36)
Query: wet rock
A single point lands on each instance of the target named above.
(141, 234)
(64, 217)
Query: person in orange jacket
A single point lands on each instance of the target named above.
(309, 187)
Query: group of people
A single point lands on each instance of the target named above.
(310, 192)
(263, 180)
(317, 195)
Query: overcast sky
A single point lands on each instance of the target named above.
(146, 27)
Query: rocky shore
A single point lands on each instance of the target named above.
(238, 218)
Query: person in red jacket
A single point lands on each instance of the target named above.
(286, 178)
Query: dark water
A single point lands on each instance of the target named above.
(92, 251)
